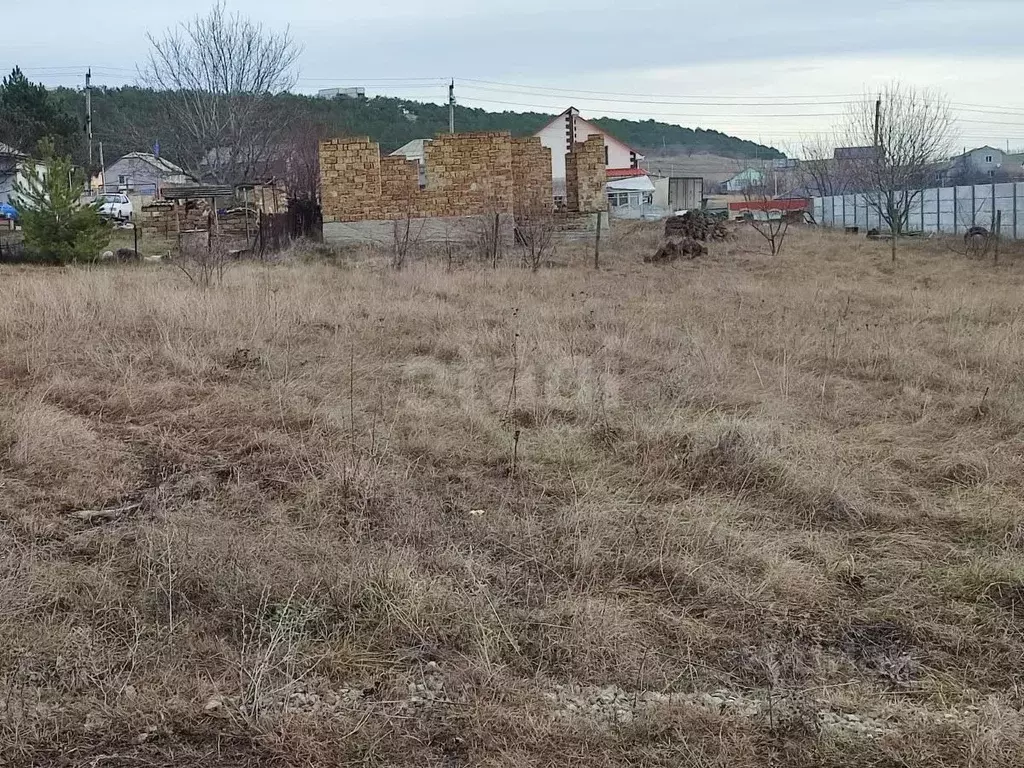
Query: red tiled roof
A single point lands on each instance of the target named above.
(625, 173)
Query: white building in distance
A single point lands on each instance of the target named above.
(569, 127)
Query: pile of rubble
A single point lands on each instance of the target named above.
(612, 705)
(685, 237)
(677, 248)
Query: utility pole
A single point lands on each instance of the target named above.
(878, 119)
(451, 107)
(88, 112)
(103, 172)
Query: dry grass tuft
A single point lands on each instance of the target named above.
(735, 511)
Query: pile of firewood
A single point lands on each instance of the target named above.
(697, 225)
(685, 237)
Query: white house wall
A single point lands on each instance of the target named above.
(950, 210)
(555, 138)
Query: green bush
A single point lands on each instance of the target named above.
(55, 223)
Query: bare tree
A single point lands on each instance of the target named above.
(535, 230)
(302, 159)
(820, 171)
(405, 237)
(764, 215)
(202, 259)
(221, 71)
(911, 131)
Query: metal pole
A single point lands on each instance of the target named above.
(878, 121)
(597, 243)
(451, 106)
(88, 112)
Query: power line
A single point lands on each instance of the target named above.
(663, 114)
(369, 80)
(770, 99)
(668, 103)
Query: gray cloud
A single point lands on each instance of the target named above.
(400, 38)
(651, 46)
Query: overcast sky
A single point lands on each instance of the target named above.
(766, 71)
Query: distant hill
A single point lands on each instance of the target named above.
(123, 121)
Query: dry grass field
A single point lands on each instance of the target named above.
(735, 512)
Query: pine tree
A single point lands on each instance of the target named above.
(29, 113)
(56, 224)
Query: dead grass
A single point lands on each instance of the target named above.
(793, 484)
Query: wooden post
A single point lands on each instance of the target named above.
(245, 204)
(135, 231)
(998, 231)
(497, 234)
(597, 243)
(1015, 210)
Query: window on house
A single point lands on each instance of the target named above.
(618, 199)
(992, 174)
(122, 180)
(988, 158)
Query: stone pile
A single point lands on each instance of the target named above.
(613, 705)
(676, 249)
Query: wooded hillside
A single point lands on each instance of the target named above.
(129, 119)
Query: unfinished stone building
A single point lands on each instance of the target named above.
(469, 178)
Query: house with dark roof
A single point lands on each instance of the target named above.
(11, 164)
(143, 173)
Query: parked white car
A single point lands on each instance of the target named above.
(117, 207)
